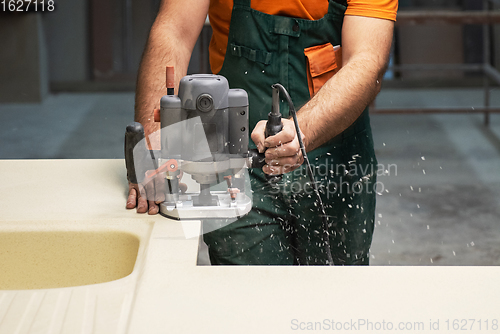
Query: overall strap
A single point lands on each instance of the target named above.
(246, 3)
(337, 7)
(341, 2)
(242, 3)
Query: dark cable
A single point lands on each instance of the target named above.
(326, 235)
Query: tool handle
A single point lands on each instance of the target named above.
(274, 126)
(134, 133)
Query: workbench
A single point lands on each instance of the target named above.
(171, 294)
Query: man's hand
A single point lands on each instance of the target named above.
(135, 198)
(283, 153)
(146, 197)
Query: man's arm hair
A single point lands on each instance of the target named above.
(366, 44)
(170, 42)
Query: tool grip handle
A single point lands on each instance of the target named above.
(273, 127)
(134, 133)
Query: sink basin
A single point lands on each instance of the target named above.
(38, 260)
(56, 255)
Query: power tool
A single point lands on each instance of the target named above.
(204, 133)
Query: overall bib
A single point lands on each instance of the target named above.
(284, 225)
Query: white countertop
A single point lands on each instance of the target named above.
(174, 295)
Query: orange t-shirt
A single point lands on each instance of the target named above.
(220, 17)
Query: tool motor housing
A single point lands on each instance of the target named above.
(223, 120)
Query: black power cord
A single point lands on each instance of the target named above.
(326, 235)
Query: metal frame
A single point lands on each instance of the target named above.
(486, 17)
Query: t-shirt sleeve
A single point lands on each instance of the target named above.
(383, 9)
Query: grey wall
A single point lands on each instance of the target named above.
(66, 35)
(23, 62)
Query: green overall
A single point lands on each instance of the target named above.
(284, 225)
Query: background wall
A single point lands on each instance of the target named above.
(67, 39)
(23, 59)
(96, 45)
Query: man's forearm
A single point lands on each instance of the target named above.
(170, 42)
(151, 85)
(339, 103)
(366, 47)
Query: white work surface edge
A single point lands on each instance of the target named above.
(174, 295)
